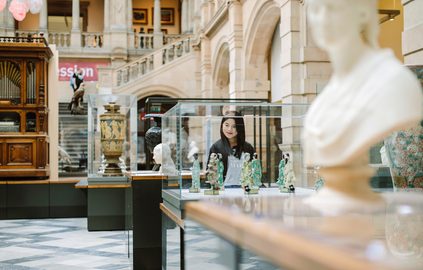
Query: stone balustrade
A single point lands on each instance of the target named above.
(139, 43)
(92, 40)
(133, 70)
(144, 41)
(61, 39)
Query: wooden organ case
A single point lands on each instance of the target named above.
(24, 140)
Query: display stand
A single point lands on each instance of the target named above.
(147, 236)
(108, 205)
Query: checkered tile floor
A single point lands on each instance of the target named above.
(60, 244)
(65, 244)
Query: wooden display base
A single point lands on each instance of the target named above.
(286, 190)
(252, 191)
(211, 192)
(194, 190)
(103, 179)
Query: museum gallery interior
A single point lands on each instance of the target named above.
(211, 134)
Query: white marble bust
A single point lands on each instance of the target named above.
(370, 93)
(162, 156)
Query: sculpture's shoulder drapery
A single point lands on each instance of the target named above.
(379, 96)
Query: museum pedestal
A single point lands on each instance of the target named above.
(108, 205)
(147, 237)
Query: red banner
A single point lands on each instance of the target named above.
(89, 69)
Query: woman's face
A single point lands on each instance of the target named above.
(229, 129)
(333, 21)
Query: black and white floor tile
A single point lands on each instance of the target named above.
(60, 244)
(65, 244)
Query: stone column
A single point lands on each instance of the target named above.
(76, 31)
(211, 9)
(204, 13)
(131, 36)
(75, 15)
(206, 69)
(106, 24)
(158, 35)
(7, 23)
(197, 16)
(129, 21)
(235, 43)
(190, 20)
(43, 20)
(106, 16)
(118, 31)
(184, 16)
(291, 74)
(305, 69)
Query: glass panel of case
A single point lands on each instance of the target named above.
(31, 122)
(10, 122)
(96, 108)
(272, 129)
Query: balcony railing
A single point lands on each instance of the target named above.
(61, 39)
(92, 40)
(143, 43)
(23, 41)
(133, 70)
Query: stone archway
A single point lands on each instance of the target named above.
(158, 90)
(220, 75)
(260, 29)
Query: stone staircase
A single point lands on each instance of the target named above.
(133, 73)
(73, 140)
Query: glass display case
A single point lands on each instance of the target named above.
(189, 129)
(260, 232)
(112, 135)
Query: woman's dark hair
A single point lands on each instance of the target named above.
(240, 129)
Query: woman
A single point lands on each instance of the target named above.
(232, 145)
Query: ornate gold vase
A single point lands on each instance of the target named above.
(112, 128)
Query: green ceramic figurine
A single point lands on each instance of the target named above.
(281, 181)
(220, 169)
(256, 171)
(247, 181)
(195, 186)
(212, 177)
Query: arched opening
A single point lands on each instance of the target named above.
(259, 42)
(221, 73)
